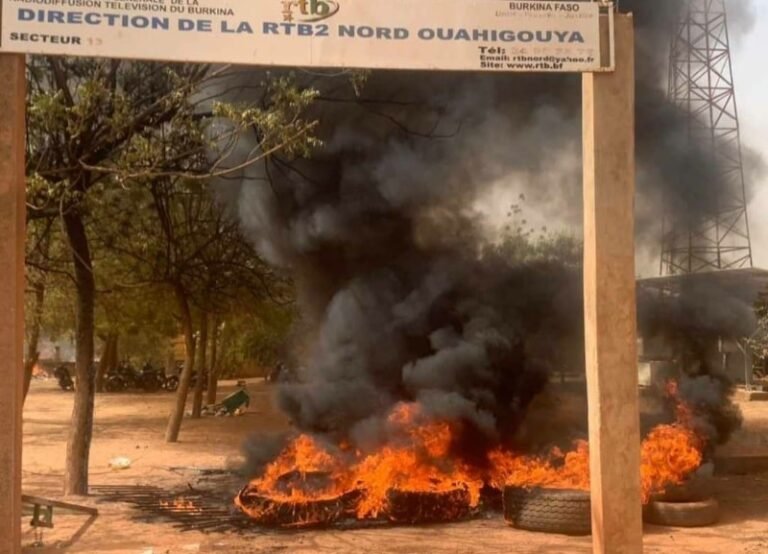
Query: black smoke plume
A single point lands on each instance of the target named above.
(404, 297)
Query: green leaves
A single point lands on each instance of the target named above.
(280, 124)
(131, 148)
(47, 112)
(758, 342)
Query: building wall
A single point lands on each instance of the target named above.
(660, 356)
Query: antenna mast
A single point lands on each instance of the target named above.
(701, 84)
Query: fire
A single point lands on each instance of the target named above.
(181, 505)
(306, 485)
(304, 471)
(670, 453)
(419, 461)
(683, 410)
(556, 471)
(311, 483)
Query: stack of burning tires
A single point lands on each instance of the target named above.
(414, 478)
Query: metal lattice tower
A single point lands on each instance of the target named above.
(701, 83)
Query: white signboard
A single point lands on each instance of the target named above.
(464, 35)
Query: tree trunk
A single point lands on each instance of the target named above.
(81, 428)
(174, 421)
(213, 369)
(115, 355)
(197, 402)
(221, 355)
(170, 363)
(108, 356)
(33, 341)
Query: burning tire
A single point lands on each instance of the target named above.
(561, 511)
(291, 514)
(682, 514)
(412, 507)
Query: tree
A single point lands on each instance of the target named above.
(258, 335)
(201, 362)
(99, 128)
(49, 311)
(38, 248)
(213, 367)
(183, 242)
(82, 114)
(189, 243)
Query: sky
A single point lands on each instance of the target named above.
(751, 77)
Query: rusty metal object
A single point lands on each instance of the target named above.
(187, 510)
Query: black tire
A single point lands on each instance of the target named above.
(295, 515)
(567, 512)
(682, 514)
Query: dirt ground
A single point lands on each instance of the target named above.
(132, 425)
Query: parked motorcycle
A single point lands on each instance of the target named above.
(63, 376)
(114, 383)
(126, 377)
(150, 379)
(171, 383)
(119, 379)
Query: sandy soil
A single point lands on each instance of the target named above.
(132, 425)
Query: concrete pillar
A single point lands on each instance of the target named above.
(12, 230)
(609, 301)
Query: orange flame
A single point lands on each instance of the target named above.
(419, 461)
(557, 471)
(670, 453)
(418, 458)
(303, 458)
(181, 505)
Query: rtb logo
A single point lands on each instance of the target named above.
(309, 10)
